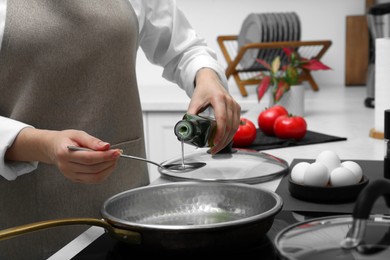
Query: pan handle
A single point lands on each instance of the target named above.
(362, 210)
(120, 233)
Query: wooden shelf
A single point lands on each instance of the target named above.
(247, 76)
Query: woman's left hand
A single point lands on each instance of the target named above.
(209, 91)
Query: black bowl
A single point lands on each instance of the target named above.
(328, 194)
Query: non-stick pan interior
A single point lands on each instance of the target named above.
(190, 205)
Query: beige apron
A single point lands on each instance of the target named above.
(68, 65)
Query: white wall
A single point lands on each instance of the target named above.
(320, 20)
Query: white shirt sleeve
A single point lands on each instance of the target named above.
(168, 40)
(9, 129)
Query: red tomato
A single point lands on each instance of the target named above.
(266, 119)
(246, 133)
(290, 127)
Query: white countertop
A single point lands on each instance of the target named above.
(172, 98)
(333, 110)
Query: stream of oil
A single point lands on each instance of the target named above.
(183, 166)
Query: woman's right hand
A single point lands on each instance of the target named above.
(51, 147)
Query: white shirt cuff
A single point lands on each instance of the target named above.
(189, 74)
(9, 130)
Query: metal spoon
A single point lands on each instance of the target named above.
(170, 167)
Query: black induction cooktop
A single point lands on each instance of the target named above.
(108, 248)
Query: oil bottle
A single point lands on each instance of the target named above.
(196, 130)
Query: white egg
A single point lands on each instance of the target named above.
(298, 171)
(342, 176)
(316, 174)
(330, 159)
(355, 168)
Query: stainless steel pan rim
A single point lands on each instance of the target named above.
(180, 216)
(133, 225)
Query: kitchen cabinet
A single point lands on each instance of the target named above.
(357, 50)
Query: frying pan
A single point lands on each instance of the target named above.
(180, 216)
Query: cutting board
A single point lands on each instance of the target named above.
(357, 50)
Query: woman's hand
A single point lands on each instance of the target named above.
(51, 147)
(209, 91)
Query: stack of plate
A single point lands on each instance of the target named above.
(267, 27)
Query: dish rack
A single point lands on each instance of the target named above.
(248, 76)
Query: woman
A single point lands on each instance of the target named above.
(67, 77)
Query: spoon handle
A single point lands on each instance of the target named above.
(140, 159)
(78, 148)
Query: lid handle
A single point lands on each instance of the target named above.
(362, 210)
(228, 148)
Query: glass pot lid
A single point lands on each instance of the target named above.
(322, 238)
(236, 165)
